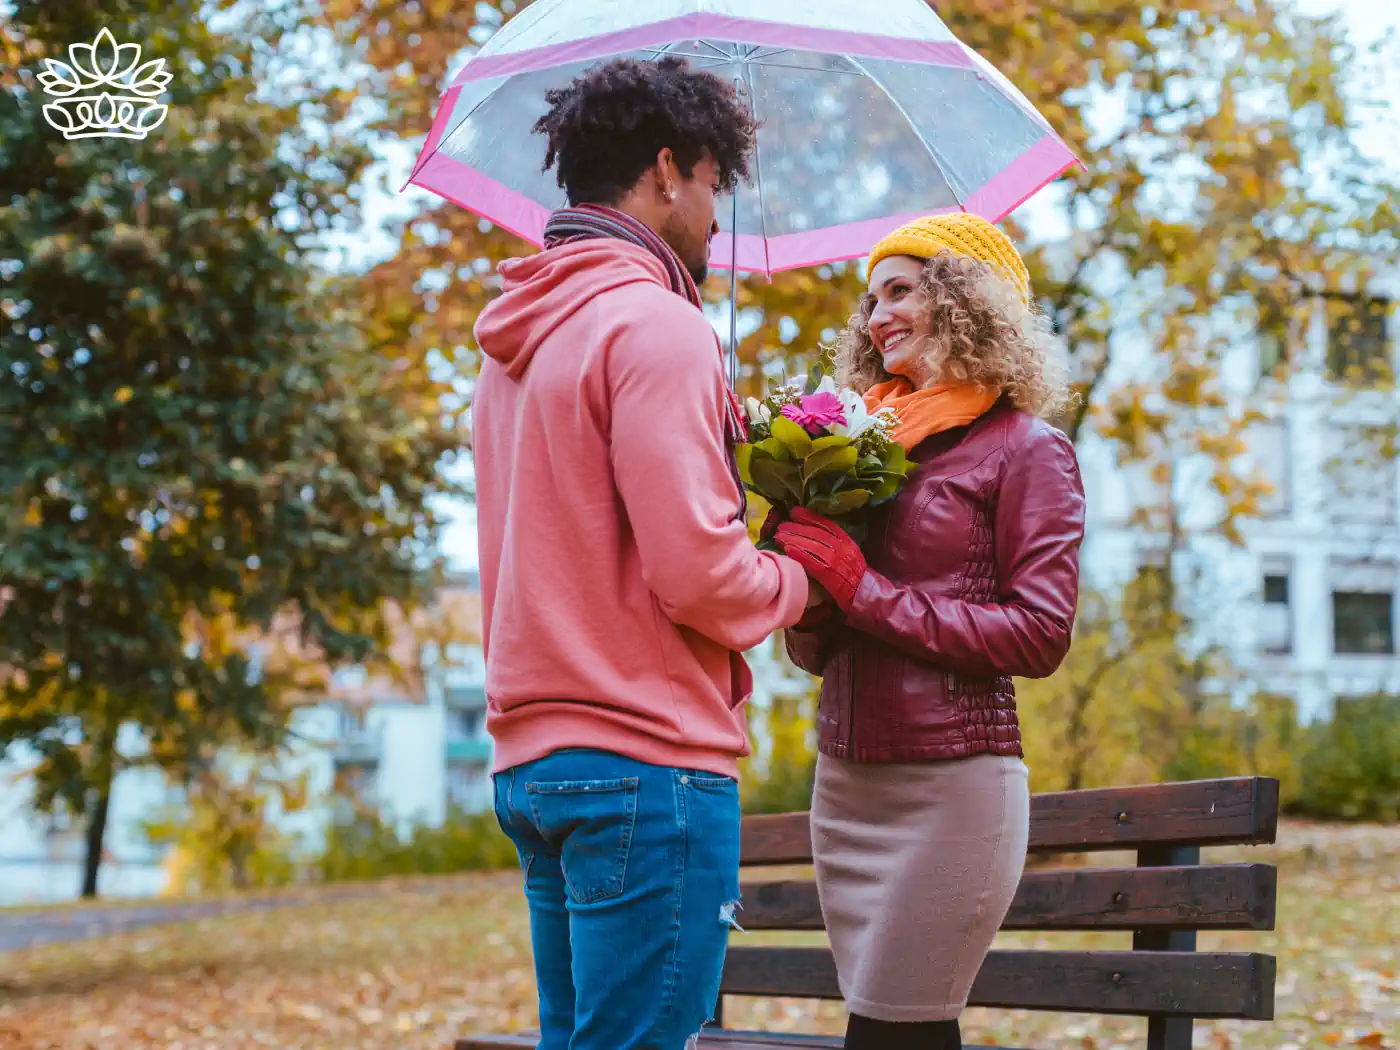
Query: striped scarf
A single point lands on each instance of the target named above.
(591, 220)
(587, 221)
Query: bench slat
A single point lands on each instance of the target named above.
(721, 1039)
(1163, 984)
(1215, 897)
(1232, 811)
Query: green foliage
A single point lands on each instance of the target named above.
(1346, 767)
(367, 846)
(1351, 764)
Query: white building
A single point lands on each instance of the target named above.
(1305, 606)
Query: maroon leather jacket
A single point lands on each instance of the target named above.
(973, 578)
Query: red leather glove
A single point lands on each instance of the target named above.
(826, 552)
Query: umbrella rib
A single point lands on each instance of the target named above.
(803, 69)
(928, 146)
(758, 178)
(758, 54)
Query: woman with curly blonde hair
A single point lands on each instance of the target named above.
(968, 579)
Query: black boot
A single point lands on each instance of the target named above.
(865, 1033)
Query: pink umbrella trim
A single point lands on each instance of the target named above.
(717, 27)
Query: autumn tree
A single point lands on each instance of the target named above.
(226, 835)
(194, 437)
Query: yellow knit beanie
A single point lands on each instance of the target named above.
(960, 233)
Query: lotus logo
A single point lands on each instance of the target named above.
(82, 114)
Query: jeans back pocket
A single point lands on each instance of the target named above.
(591, 822)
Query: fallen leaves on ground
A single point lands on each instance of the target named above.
(411, 970)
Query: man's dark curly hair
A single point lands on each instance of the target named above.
(607, 127)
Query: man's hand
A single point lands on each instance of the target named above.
(769, 528)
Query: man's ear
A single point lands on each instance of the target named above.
(667, 174)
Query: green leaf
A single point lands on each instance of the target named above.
(840, 502)
(797, 440)
(777, 482)
(776, 450)
(894, 459)
(742, 456)
(831, 441)
(887, 489)
(869, 467)
(829, 462)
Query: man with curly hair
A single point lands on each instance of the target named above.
(619, 584)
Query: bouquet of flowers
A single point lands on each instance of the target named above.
(812, 445)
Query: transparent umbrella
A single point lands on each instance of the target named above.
(871, 112)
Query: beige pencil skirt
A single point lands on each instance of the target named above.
(916, 864)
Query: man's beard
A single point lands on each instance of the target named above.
(674, 235)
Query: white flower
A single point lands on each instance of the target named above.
(827, 386)
(858, 420)
(751, 407)
(765, 413)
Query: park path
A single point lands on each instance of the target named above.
(27, 929)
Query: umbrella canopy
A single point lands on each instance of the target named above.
(871, 112)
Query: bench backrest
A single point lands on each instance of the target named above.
(1163, 901)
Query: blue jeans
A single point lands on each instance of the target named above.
(632, 877)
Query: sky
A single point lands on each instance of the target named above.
(1367, 20)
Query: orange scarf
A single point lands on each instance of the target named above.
(925, 412)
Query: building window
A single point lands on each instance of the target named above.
(1276, 618)
(354, 782)
(1361, 475)
(1358, 344)
(1268, 443)
(1362, 623)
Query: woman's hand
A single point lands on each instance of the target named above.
(832, 559)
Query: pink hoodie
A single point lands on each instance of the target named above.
(617, 591)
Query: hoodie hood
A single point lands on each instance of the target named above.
(542, 291)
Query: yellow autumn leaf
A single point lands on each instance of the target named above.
(122, 396)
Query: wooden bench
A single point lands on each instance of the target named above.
(1162, 901)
